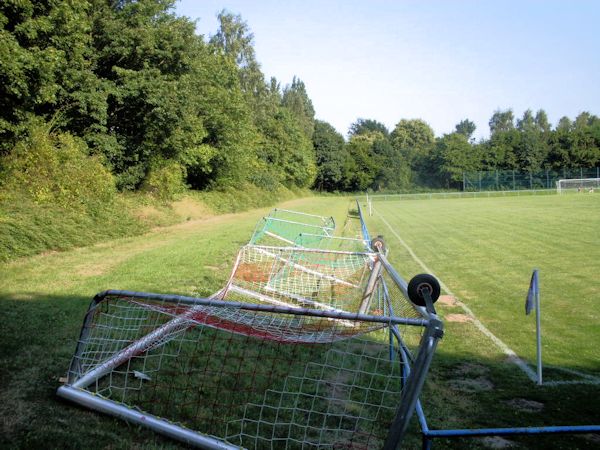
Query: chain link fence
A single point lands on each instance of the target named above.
(512, 180)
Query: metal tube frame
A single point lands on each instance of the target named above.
(136, 417)
(74, 390)
(412, 385)
(329, 222)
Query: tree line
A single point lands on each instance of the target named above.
(129, 85)
(411, 156)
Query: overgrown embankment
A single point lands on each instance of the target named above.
(27, 228)
(54, 196)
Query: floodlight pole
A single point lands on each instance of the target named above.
(538, 326)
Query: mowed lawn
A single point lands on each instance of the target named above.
(43, 300)
(484, 250)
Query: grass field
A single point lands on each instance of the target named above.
(483, 250)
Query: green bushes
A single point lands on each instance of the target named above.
(164, 180)
(55, 168)
(55, 196)
(244, 197)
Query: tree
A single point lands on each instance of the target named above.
(413, 139)
(296, 100)
(453, 155)
(541, 121)
(235, 40)
(363, 126)
(330, 155)
(360, 170)
(585, 149)
(466, 128)
(392, 170)
(532, 148)
(288, 151)
(46, 70)
(501, 121)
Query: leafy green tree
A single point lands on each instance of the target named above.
(585, 148)
(364, 126)
(287, 149)
(561, 142)
(453, 155)
(532, 148)
(361, 168)
(466, 128)
(392, 171)
(499, 151)
(413, 139)
(331, 156)
(47, 68)
(296, 100)
(225, 141)
(541, 121)
(502, 121)
(235, 40)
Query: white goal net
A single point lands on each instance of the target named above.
(578, 185)
(302, 348)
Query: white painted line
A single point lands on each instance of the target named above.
(589, 379)
(480, 326)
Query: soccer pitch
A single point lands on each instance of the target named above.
(484, 251)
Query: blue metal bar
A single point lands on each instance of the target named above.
(363, 226)
(410, 393)
(574, 429)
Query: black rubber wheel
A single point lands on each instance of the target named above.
(418, 284)
(378, 244)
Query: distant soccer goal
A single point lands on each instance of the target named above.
(577, 185)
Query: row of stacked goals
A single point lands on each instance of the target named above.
(314, 341)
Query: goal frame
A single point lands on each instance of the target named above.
(252, 306)
(584, 183)
(75, 388)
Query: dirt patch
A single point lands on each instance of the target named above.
(147, 212)
(522, 404)
(447, 300)
(461, 318)
(472, 384)
(251, 273)
(102, 264)
(497, 442)
(92, 271)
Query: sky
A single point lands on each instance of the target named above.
(437, 60)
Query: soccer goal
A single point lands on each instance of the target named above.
(302, 348)
(282, 227)
(577, 184)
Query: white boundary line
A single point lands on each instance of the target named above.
(512, 356)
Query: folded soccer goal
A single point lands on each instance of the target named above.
(310, 345)
(282, 227)
(303, 348)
